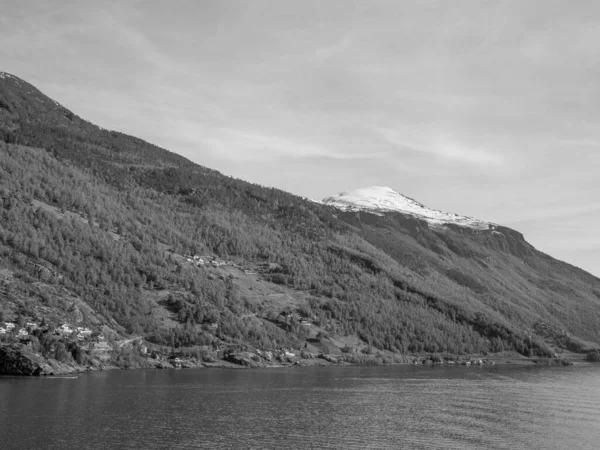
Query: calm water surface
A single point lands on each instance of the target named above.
(322, 408)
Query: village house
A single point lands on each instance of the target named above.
(22, 333)
(64, 329)
(306, 322)
(32, 326)
(176, 362)
(213, 326)
(3, 330)
(197, 260)
(84, 331)
(9, 326)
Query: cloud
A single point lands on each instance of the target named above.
(329, 51)
(442, 146)
(253, 145)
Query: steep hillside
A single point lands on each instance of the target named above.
(98, 218)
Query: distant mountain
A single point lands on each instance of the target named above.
(378, 199)
(107, 231)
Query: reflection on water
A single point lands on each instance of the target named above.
(322, 408)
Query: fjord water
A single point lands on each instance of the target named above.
(323, 408)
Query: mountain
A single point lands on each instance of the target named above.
(106, 231)
(379, 200)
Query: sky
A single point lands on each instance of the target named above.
(483, 108)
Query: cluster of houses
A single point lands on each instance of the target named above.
(207, 260)
(21, 332)
(65, 329)
(81, 333)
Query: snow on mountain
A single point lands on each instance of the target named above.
(379, 200)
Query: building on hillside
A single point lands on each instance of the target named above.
(84, 331)
(176, 362)
(64, 330)
(9, 326)
(22, 333)
(3, 330)
(198, 260)
(218, 262)
(32, 326)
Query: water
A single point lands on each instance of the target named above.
(400, 407)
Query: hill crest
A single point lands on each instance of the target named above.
(380, 199)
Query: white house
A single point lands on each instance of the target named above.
(22, 333)
(64, 329)
(3, 330)
(84, 331)
(9, 325)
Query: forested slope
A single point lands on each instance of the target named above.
(111, 219)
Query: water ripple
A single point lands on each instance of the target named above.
(325, 408)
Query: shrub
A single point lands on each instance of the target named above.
(593, 356)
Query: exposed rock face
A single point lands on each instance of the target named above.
(329, 358)
(16, 359)
(244, 359)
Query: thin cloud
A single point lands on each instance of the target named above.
(330, 51)
(252, 145)
(443, 147)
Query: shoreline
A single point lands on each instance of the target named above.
(17, 360)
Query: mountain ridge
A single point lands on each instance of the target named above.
(121, 225)
(380, 199)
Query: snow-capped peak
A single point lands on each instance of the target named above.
(379, 199)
